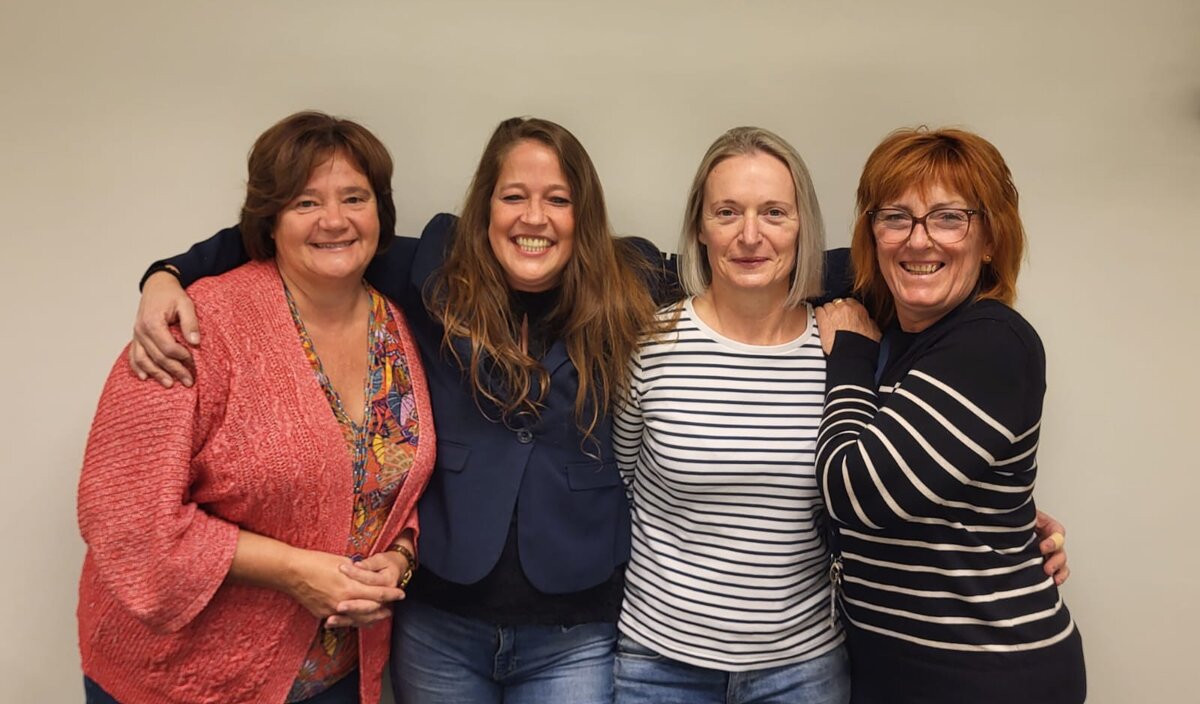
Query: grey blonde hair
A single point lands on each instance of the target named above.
(694, 271)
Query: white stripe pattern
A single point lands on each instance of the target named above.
(937, 545)
(717, 444)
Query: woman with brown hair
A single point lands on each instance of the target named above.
(526, 311)
(233, 524)
(927, 464)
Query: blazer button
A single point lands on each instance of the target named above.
(524, 436)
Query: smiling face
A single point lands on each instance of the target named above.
(328, 233)
(929, 279)
(750, 224)
(532, 218)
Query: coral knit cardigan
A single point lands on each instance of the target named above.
(169, 477)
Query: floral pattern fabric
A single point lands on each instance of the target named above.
(383, 449)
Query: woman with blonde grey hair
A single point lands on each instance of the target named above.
(726, 595)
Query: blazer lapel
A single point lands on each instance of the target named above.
(555, 357)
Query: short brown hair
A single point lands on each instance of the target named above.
(284, 156)
(695, 272)
(958, 160)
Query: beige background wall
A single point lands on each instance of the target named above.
(124, 128)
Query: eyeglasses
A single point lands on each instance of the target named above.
(943, 225)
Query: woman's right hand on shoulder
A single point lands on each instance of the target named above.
(154, 351)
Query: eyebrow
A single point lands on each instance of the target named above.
(341, 192)
(765, 204)
(932, 206)
(500, 185)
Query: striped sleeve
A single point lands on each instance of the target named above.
(954, 434)
(628, 426)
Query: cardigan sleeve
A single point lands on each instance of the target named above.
(955, 433)
(159, 553)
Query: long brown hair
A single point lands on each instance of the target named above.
(603, 306)
(963, 161)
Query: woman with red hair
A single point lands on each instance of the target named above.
(927, 449)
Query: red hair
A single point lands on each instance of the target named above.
(960, 161)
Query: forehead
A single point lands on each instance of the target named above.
(928, 194)
(929, 181)
(758, 174)
(529, 157)
(337, 162)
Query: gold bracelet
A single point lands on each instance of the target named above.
(412, 563)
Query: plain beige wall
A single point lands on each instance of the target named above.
(125, 125)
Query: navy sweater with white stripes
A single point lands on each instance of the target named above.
(929, 477)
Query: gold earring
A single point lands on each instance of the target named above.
(987, 259)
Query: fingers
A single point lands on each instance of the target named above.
(369, 574)
(375, 593)
(366, 618)
(356, 608)
(1052, 547)
(157, 352)
(1047, 525)
(165, 361)
(1054, 562)
(1062, 575)
(144, 365)
(136, 354)
(1053, 544)
(188, 324)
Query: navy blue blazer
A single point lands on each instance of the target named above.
(565, 494)
(570, 508)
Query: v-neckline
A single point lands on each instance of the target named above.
(331, 392)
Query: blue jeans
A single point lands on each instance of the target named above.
(442, 658)
(645, 677)
(344, 691)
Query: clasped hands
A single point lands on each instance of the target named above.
(345, 593)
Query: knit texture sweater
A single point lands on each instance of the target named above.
(170, 476)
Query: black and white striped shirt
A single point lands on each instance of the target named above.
(717, 444)
(930, 475)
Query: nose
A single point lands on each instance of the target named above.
(534, 213)
(750, 233)
(919, 237)
(332, 217)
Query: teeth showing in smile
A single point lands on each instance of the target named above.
(921, 268)
(532, 244)
(332, 245)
